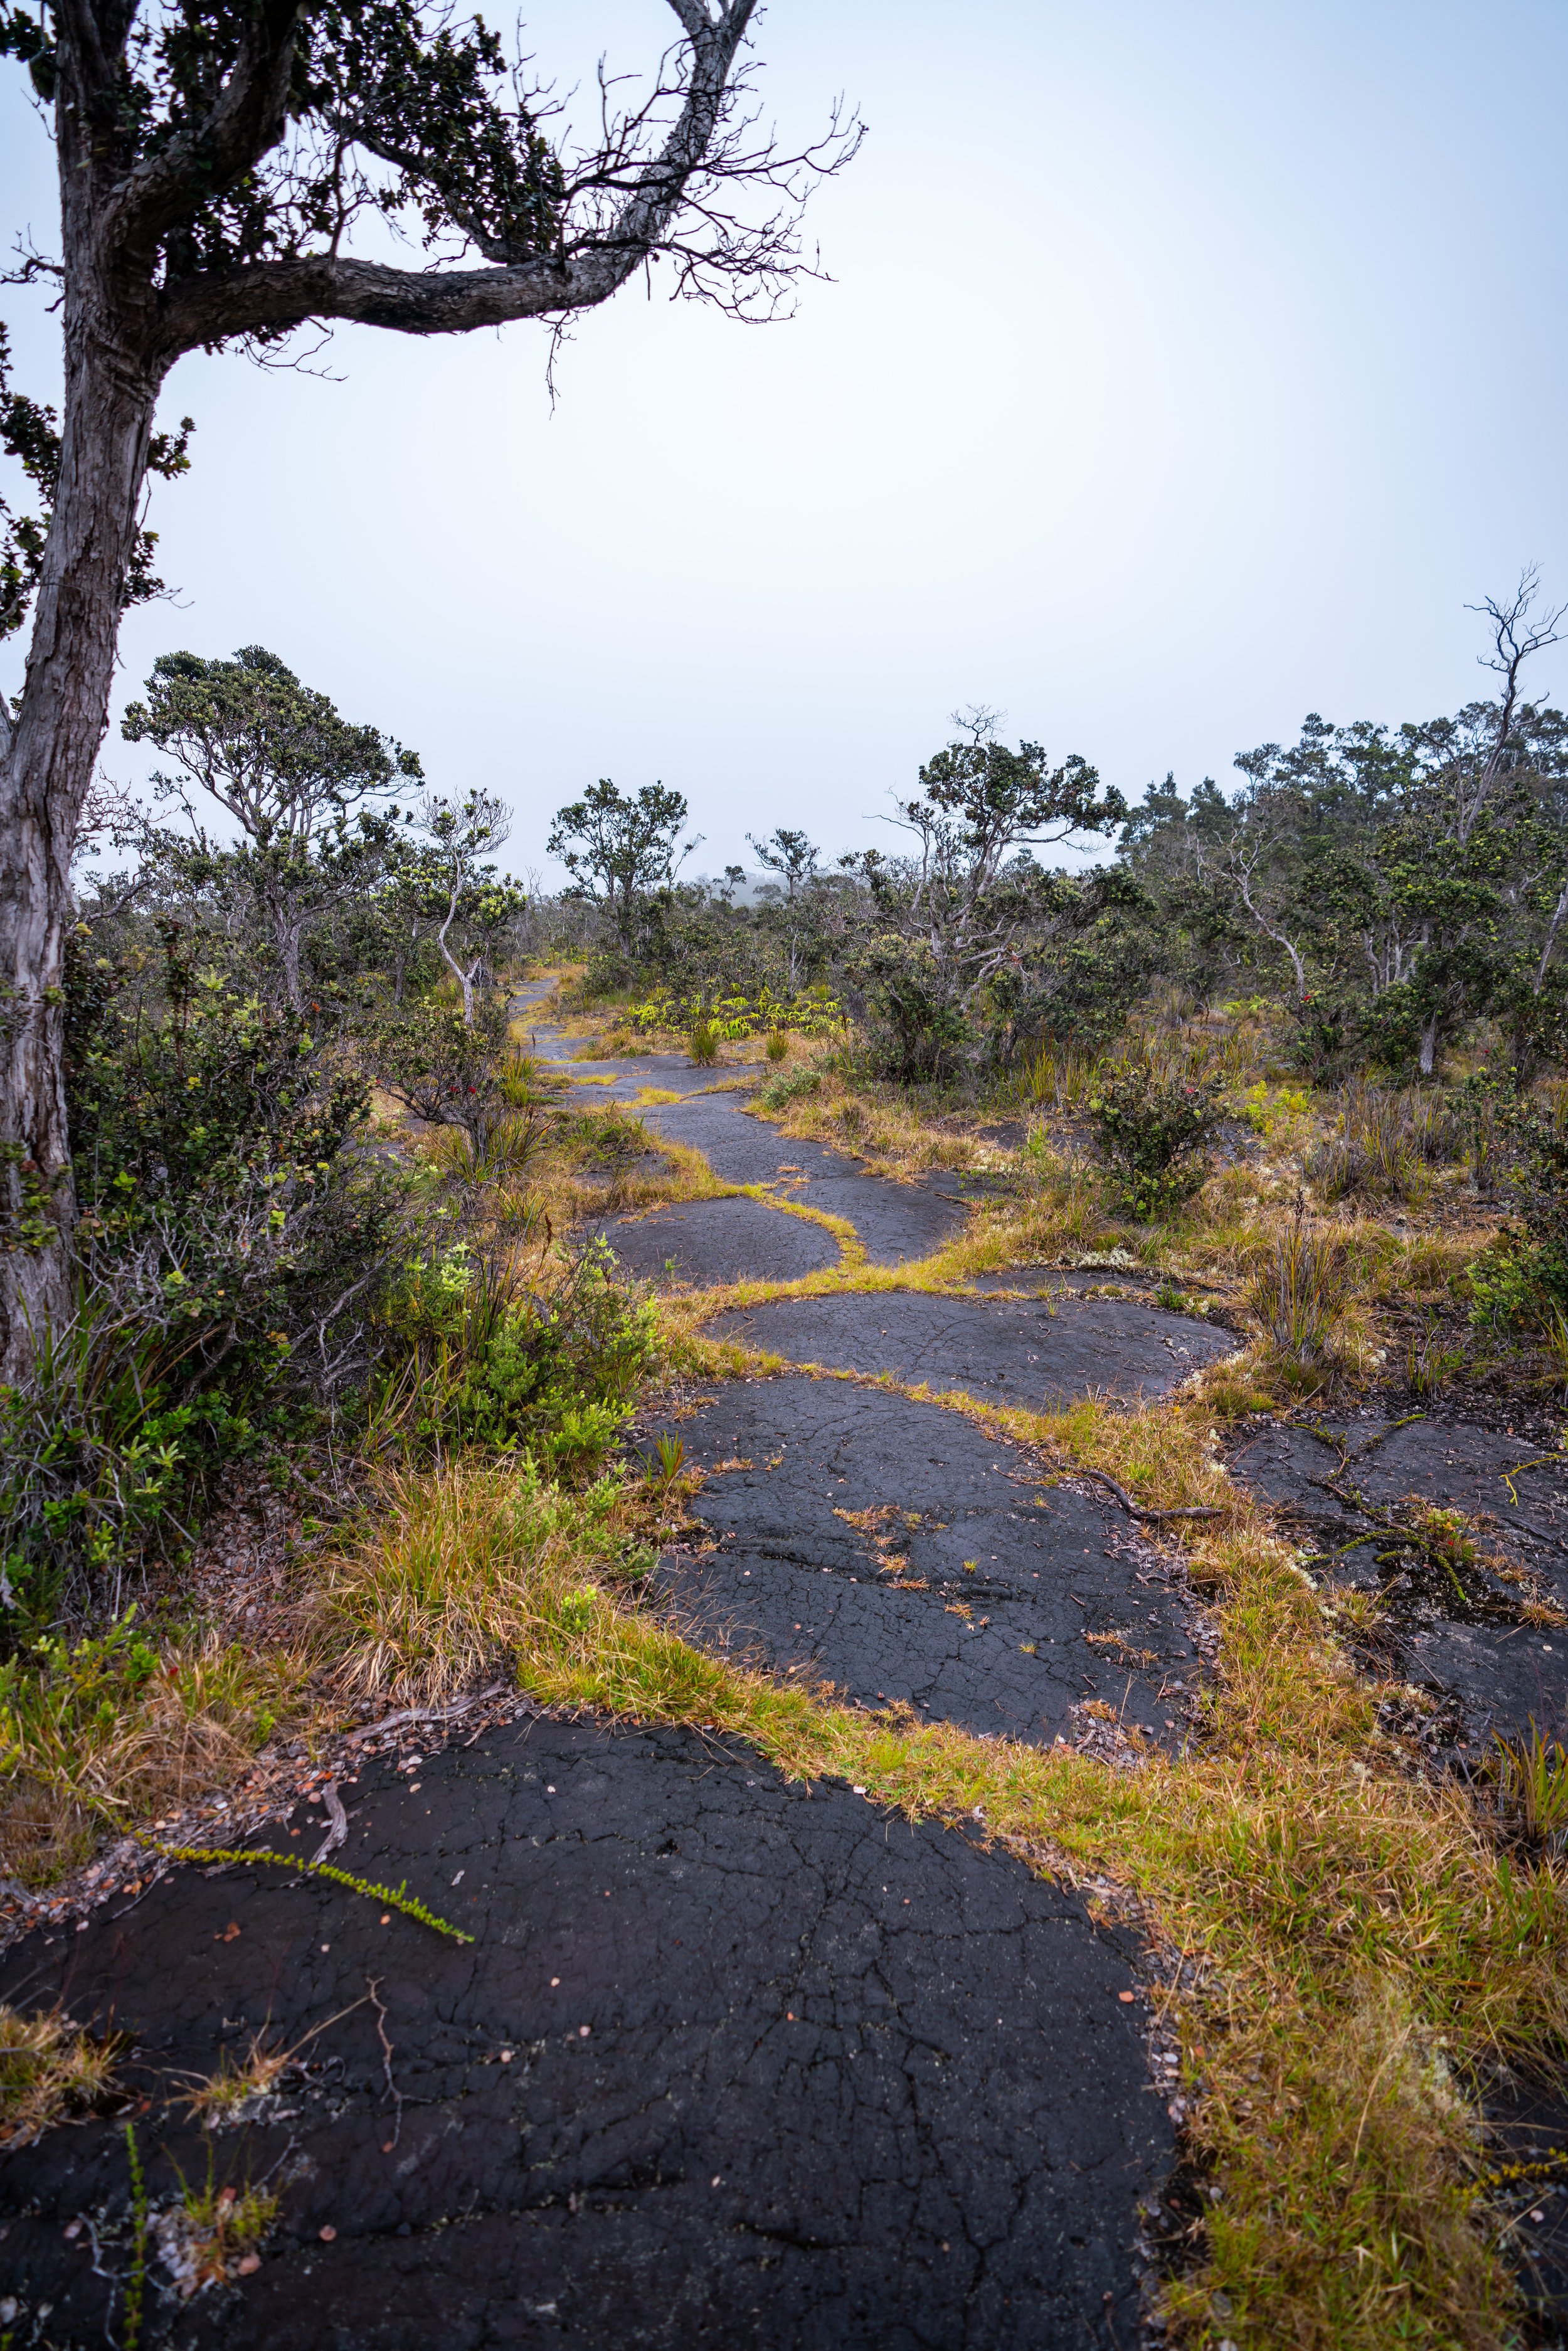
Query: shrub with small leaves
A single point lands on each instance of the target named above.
(1154, 1129)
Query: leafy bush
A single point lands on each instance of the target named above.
(781, 1091)
(485, 1360)
(226, 1202)
(450, 1074)
(813, 1013)
(232, 1229)
(918, 1033)
(95, 1449)
(1152, 1128)
(1523, 1276)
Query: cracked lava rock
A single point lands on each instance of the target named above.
(983, 1597)
(729, 2062)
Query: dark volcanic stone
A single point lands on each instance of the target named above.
(1338, 1480)
(1450, 1462)
(713, 1241)
(1034, 1353)
(797, 1584)
(810, 2076)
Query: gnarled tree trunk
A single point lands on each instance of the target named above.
(45, 767)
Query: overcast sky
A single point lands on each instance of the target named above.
(1183, 369)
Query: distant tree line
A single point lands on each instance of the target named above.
(1391, 887)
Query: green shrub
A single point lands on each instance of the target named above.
(226, 1206)
(477, 1358)
(1153, 1129)
(779, 1092)
(702, 1042)
(93, 1451)
(1522, 1277)
(778, 1044)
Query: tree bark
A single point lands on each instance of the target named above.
(44, 769)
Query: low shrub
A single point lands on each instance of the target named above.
(1522, 1277)
(1153, 1130)
(779, 1093)
(702, 1042)
(477, 1357)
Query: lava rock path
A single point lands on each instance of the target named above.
(983, 1597)
(1037, 1353)
(728, 2062)
(709, 1241)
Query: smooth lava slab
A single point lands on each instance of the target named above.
(1035, 1353)
(897, 1223)
(1504, 1672)
(704, 1242)
(783, 2071)
(900, 1553)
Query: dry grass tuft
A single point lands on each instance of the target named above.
(227, 2098)
(468, 1564)
(49, 2072)
(1300, 1298)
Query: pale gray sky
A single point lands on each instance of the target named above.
(1183, 369)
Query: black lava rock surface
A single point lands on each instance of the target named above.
(1034, 1353)
(702, 1242)
(729, 2062)
(1459, 1632)
(980, 1596)
(897, 1223)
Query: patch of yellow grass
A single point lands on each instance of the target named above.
(75, 1760)
(891, 1133)
(463, 1565)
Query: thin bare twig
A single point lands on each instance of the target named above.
(336, 1817)
(393, 2093)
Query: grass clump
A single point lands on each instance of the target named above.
(1300, 1298)
(463, 1565)
(121, 1726)
(210, 2235)
(50, 2071)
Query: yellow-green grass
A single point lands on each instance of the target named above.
(889, 1132)
(79, 1756)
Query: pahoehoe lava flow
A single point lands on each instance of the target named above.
(730, 2061)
